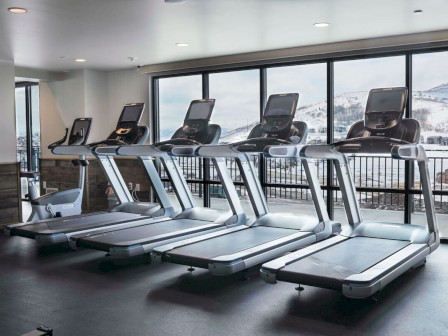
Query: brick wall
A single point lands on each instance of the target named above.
(10, 198)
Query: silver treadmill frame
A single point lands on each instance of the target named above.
(229, 264)
(423, 240)
(190, 210)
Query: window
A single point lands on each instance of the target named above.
(374, 176)
(310, 82)
(175, 95)
(237, 106)
(27, 128)
(430, 108)
(381, 181)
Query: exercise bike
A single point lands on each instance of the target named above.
(65, 202)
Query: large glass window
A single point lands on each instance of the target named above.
(237, 111)
(352, 82)
(310, 82)
(430, 108)
(27, 129)
(237, 107)
(175, 95)
(381, 181)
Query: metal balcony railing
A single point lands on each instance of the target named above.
(35, 156)
(380, 180)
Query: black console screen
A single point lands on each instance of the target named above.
(281, 105)
(392, 100)
(80, 131)
(132, 113)
(200, 109)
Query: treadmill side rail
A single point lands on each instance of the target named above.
(229, 264)
(268, 270)
(375, 278)
(161, 250)
(72, 150)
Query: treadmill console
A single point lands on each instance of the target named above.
(80, 131)
(277, 126)
(78, 134)
(383, 124)
(279, 114)
(385, 109)
(127, 131)
(196, 121)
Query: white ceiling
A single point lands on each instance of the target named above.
(106, 32)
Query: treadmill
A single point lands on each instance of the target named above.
(140, 237)
(56, 230)
(272, 234)
(365, 259)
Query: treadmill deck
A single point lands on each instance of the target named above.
(143, 234)
(201, 253)
(328, 268)
(72, 224)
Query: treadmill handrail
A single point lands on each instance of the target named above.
(105, 150)
(213, 151)
(283, 151)
(72, 150)
(139, 150)
(415, 152)
(183, 150)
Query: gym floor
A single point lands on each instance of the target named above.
(83, 293)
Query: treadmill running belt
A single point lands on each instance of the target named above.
(70, 224)
(329, 267)
(199, 254)
(138, 235)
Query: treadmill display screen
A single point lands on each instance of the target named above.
(281, 105)
(80, 131)
(386, 100)
(131, 113)
(200, 109)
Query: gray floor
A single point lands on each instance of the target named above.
(81, 293)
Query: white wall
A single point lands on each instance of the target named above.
(8, 143)
(60, 103)
(96, 102)
(88, 93)
(127, 86)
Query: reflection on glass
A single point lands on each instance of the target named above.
(175, 95)
(237, 107)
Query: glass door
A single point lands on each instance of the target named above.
(27, 129)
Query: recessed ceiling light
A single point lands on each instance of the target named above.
(418, 12)
(17, 10)
(321, 24)
(80, 60)
(182, 44)
(174, 1)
